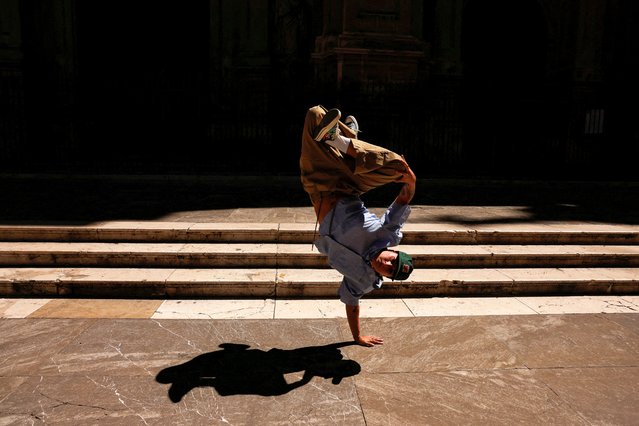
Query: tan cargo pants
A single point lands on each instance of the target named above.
(328, 175)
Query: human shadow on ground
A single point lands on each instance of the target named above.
(238, 370)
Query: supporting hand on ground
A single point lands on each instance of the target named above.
(369, 341)
(352, 313)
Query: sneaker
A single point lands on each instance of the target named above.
(328, 124)
(352, 124)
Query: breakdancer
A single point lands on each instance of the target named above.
(336, 169)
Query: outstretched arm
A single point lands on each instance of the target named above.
(352, 313)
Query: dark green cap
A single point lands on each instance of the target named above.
(403, 266)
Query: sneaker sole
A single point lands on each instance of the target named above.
(328, 122)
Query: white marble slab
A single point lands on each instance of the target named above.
(334, 308)
(581, 304)
(20, 308)
(309, 308)
(216, 309)
(467, 306)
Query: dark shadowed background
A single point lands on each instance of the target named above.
(526, 89)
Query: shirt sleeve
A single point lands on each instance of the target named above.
(390, 234)
(395, 217)
(349, 293)
(359, 277)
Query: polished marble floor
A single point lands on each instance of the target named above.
(530, 360)
(538, 368)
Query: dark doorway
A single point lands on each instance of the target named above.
(143, 72)
(504, 54)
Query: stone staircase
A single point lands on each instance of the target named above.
(191, 260)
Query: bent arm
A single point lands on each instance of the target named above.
(407, 192)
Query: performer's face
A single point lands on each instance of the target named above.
(383, 263)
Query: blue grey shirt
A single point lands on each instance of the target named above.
(350, 235)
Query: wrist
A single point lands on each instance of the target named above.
(406, 194)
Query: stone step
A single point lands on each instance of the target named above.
(260, 255)
(418, 233)
(270, 282)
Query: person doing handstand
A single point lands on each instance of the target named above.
(336, 169)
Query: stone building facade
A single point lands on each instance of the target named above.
(533, 88)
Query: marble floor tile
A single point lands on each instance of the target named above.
(430, 344)
(383, 308)
(334, 308)
(216, 309)
(309, 308)
(629, 321)
(97, 308)
(144, 347)
(26, 344)
(133, 347)
(9, 384)
(599, 395)
(20, 308)
(132, 400)
(371, 307)
(499, 397)
(447, 306)
(579, 304)
(559, 341)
